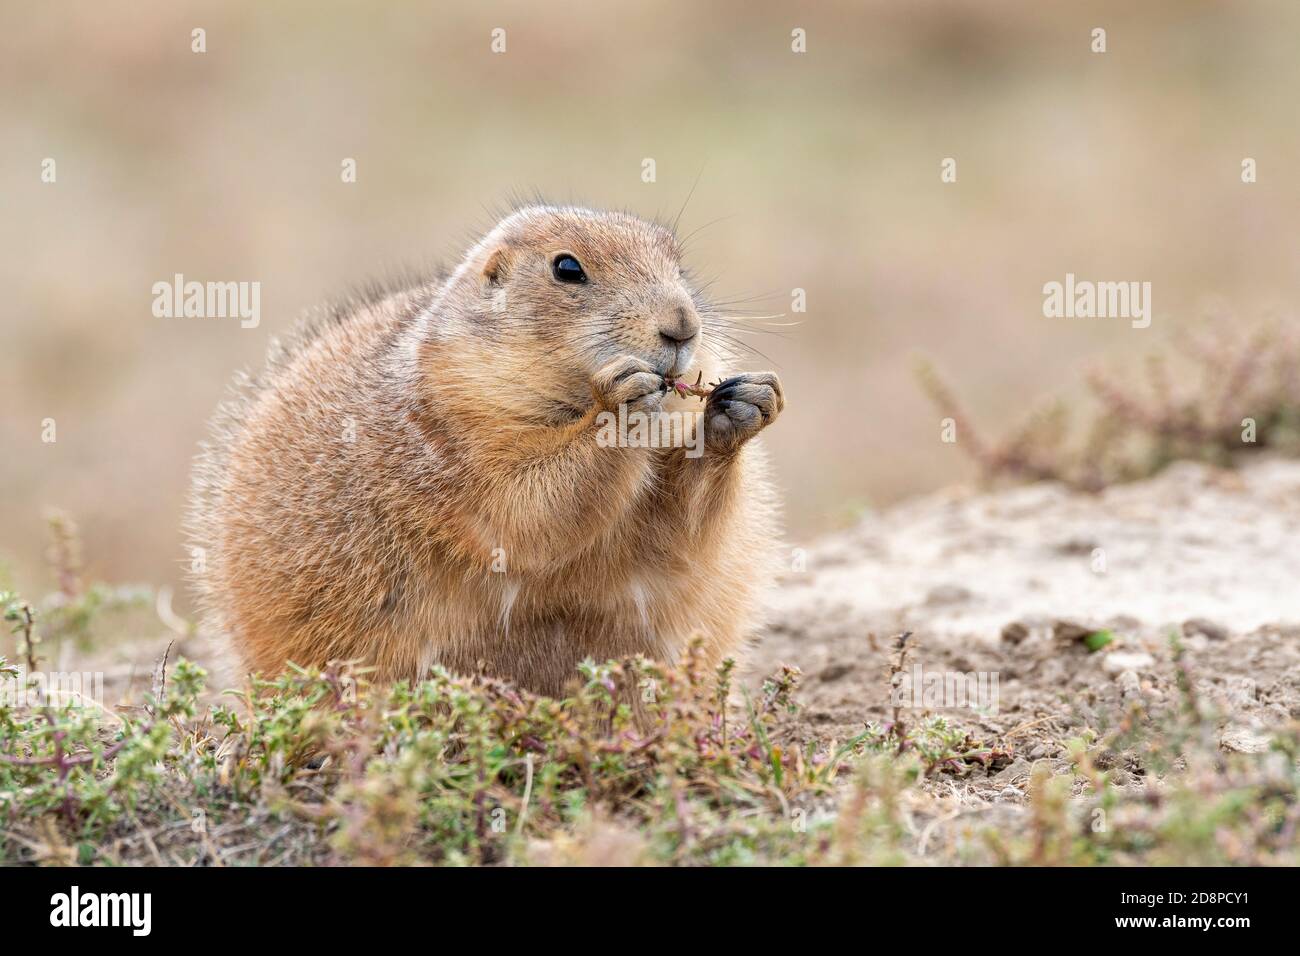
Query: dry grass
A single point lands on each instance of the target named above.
(1218, 397)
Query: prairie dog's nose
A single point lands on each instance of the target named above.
(679, 325)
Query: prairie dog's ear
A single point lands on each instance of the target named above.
(496, 266)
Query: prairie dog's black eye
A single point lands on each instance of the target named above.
(565, 268)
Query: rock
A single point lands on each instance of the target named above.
(1130, 688)
(1117, 662)
(1014, 771)
(1244, 740)
(1015, 632)
(1199, 625)
(1067, 632)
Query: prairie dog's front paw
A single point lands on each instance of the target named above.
(740, 407)
(628, 381)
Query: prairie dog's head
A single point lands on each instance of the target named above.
(580, 288)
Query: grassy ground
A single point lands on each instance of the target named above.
(639, 765)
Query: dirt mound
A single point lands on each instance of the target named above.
(1069, 606)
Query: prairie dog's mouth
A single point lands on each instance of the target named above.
(680, 362)
(665, 365)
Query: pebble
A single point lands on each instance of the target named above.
(1018, 768)
(1243, 740)
(1199, 625)
(1067, 632)
(1015, 632)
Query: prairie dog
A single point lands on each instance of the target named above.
(423, 475)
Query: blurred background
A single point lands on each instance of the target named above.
(818, 171)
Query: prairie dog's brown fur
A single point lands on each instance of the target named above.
(418, 479)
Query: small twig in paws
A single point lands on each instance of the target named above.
(684, 388)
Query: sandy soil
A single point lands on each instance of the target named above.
(1009, 582)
